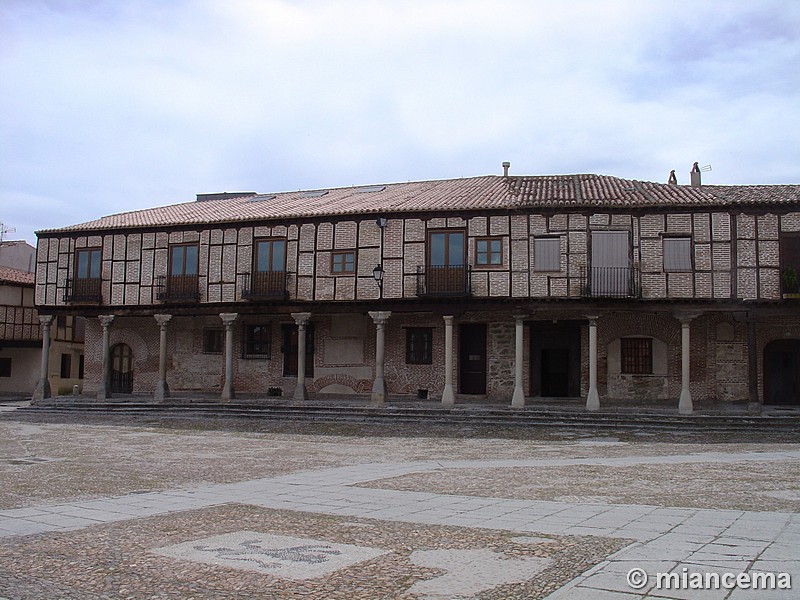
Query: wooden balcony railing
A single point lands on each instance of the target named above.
(444, 280)
(85, 290)
(177, 288)
(265, 285)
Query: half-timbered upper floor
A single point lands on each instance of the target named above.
(574, 237)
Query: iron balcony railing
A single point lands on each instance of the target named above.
(84, 289)
(177, 288)
(444, 280)
(265, 285)
(610, 282)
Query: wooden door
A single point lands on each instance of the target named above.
(472, 358)
(289, 349)
(121, 369)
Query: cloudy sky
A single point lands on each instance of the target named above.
(115, 105)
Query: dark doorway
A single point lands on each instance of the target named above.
(472, 358)
(289, 349)
(782, 372)
(556, 359)
(121, 369)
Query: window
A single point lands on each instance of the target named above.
(87, 263)
(489, 251)
(63, 328)
(5, 367)
(66, 366)
(636, 356)
(213, 340)
(419, 343)
(343, 262)
(270, 256)
(677, 254)
(80, 366)
(446, 249)
(257, 341)
(547, 254)
(183, 260)
(790, 263)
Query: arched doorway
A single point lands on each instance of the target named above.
(121, 369)
(782, 372)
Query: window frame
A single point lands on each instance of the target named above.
(216, 332)
(488, 252)
(446, 248)
(419, 352)
(636, 356)
(252, 348)
(270, 242)
(94, 259)
(688, 258)
(536, 253)
(183, 262)
(335, 270)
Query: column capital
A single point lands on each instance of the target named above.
(105, 320)
(45, 320)
(448, 319)
(301, 318)
(162, 320)
(686, 317)
(380, 316)
(520, 317)
(228, 318)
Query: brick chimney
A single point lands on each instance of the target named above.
(695, 176)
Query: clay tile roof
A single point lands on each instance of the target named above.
(9, 275)
(474, 193)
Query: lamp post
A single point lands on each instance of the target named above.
(377, 274)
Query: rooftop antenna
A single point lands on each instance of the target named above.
(4, 230)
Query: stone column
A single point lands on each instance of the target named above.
(379, 391)
(42, 390)
(685, 405)
(227, 389)
(448, 397)
(162, 389)
(300, 392)
(518, 399)
(104, 390)
(593, 399)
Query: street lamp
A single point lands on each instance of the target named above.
(377, 274)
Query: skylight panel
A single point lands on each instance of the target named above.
(314, 193)
(261, 198)
(370, 188)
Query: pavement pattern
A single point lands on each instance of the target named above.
(394, 543)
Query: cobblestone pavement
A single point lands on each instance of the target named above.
(124, 510)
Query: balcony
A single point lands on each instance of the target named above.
(610, 282)
(177, 288)
(265, 285)
(87, 290)
(444, 281)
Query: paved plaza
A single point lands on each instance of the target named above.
(225, 510)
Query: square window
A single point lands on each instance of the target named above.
(343, 263)
(547, 254)
(419, 343)
(213, 341)
(636, 356)
(257, 341)
(677, 254)
(489, 251)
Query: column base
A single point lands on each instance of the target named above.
(42, 391)
(103, 393)
(300, 393)
(685, 404)
(162, 391)
(227, 394)
(379, 391)
(448, 397)
(593, 401)
(518, 399)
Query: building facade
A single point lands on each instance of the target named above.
(496, 288)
